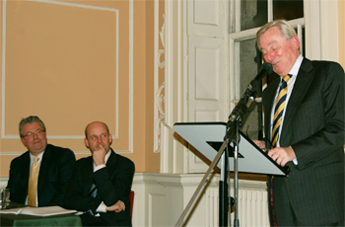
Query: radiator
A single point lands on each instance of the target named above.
(252, 205)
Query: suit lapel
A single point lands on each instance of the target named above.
(86, 172)
(44, 167)
(25, 173)
(269, 104)
(111, 163)
(300, 89)
(87, 169)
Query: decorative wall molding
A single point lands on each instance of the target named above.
(5, 135)
(159, 83)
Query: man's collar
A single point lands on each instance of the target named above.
(107, 155)
(39, 156)
(295, 69)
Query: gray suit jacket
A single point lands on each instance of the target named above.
(314, 127)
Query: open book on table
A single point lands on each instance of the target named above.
(38, 211)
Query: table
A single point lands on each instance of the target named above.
(29, 220)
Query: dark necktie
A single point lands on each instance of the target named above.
(93, 191)
(93, 194)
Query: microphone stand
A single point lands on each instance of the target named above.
(201, 185)
(232, 136)
(224, 190)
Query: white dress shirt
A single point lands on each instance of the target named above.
(291, 83)
(102, 207)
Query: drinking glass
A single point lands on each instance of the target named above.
(4, 198)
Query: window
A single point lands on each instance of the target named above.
(245, 58)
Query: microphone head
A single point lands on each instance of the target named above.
(268, 67)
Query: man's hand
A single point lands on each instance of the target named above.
(117, 207)
(98, 155)
(260, 144)
(282, 155)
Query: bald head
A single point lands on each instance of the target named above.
(97, 134)
(96, 123)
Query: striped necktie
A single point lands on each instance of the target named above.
(33, 179)
(279, 109)
(278, 113)
(93, 191)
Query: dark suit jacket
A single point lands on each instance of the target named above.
(113, 183)
(314, 127)
(55, 171)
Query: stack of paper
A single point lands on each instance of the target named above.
(38, 211)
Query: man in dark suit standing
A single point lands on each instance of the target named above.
(54, 168)
(307, 132)
(101, 183)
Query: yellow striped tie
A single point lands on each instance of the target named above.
(33, 179)
(279, 109)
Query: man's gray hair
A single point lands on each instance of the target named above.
(30, 120)
(286, 29)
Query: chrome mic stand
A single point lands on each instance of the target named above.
(232, 136)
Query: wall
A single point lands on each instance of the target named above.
(73, 62)
(161, 199)
(69, 70)
(70, 82)
(341, 27)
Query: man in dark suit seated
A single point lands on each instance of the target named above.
(304, 119)
(101, 183)
(54, 167)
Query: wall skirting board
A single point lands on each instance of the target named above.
(161, 198)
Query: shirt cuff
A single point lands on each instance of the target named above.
(98, 167)
(101, 208)
(295, 161)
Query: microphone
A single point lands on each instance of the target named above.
(266, 69)
(247, 98)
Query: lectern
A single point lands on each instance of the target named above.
(208, 138)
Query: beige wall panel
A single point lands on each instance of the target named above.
(69, 62)
(341, 21)
(1, 67)
(59, 67)
(144, 87)
(142, 62)
(5, 164)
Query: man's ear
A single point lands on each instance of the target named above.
(296, 41)
(23, 141)
(110, 139)
(86, 143)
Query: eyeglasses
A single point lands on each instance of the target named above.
(31, 134)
